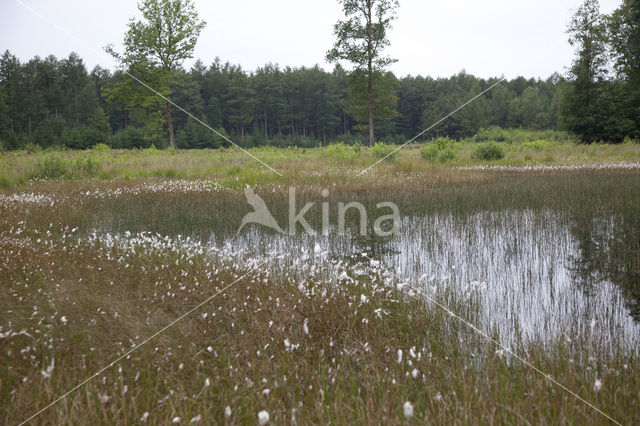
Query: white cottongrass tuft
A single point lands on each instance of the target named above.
(263, 417)
(46, 373)
(227, 411)
(597, 385)
(407, 410)
(414, 373)
(399, 356)
(196, 419)
(144, 417)
(176, 420)
(207, 382)
(63, 319)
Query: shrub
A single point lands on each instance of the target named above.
(447, 154)
(381, 150)
(341, 152)
(488, 151)
(101, 147)
(32, 148)
(440, 149)
(89, 166)
(493, 133)
(52, 166)
(429, 152)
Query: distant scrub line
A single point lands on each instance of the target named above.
(505, 148)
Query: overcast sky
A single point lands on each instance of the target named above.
(436, 38)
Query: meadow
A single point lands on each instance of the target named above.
(539, 248)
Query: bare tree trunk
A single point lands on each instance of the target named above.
(167, 109)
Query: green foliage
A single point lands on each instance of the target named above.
(32, 148)
(382, 151)
(360, 39)
(592, 107)
(131, 137)
(341, 152)
(493, 133)
(441, 149)
(89, 166)
(101, 147)
(497, 134)
(488, 151)
(156, 46)
(195, 135)
(538, 146)
(383, 98)
(51, 167)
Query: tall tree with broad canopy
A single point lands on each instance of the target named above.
(160, 43)
(360, 39)
(583, 112)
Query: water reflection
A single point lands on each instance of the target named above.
(609, 250)
(544, 279)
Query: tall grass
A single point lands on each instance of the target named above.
(19, 167)
(91, 267)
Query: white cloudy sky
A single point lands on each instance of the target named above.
(437, 38)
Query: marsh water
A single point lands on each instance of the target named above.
(525, 270)
(541, 259)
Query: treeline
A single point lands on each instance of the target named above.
(51, 102)
(602, 99)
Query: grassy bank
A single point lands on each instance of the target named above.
(233, 165)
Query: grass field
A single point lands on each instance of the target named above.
(232, 165)
(101, 249)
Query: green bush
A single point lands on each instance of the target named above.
(341, 152)
(488, 151)
(429, 152)
(32, 148)
(493, 133)
(88, 166)
(101, 147)
(441, 149)
(52, 167)
(536, 145)
(381, 150)
(447, 154)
